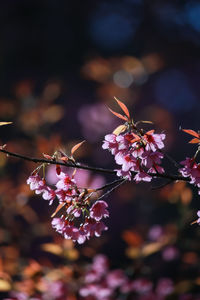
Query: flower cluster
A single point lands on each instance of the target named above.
(80, 220)
(101, 283)
(191, 169)
(137, 154)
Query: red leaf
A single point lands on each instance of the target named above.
(118, 115)
(192, 132)
(76, 147)
(123, 107)
(194, 141)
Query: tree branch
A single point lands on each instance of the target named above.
(94, 169)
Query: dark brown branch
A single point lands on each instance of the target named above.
(94, 169)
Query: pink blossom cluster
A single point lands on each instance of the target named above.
(136, 154)
(101, 283)
(80, 220)
(191, 169)
(54, 290)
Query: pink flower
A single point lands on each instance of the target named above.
(154, 141)
(195, 175)
(198, 214)
(91, 227)
(149, 158)
(155, 169)
(49, 194)
(124, 174)
(155, 233)
(98, 269)
(170, 253)
(65, 181)
(142, 286)
(115, 279)
(126, 160)
(73, 233)
(35, 182)
(99, 211)
(110, 143)
(189, 164)
(137, 150)
(124, 141)
(142, 176)
(58, 224)
(164, 287)
(88, 290)
(66, 195)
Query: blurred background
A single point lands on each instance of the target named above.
(61, 64)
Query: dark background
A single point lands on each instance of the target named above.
(72, 57)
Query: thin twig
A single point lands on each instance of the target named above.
(110, 184)
(111, 190)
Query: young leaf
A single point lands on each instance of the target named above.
(76, 147)
(123, 107)
(118, 115)
(5, 123)
(191, 132)
(119, 129)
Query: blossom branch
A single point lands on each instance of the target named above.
(90, 168)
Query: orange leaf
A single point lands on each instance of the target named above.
(194, 141)
(192, 132)
(123, 107)
(76, 147)
(150, 131)
(64, 158)
(118, 115)
(58, 209)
